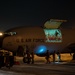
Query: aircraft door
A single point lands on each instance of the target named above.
(20, 51)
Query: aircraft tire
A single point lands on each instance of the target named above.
(26, 60)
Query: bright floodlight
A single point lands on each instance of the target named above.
(1, 34)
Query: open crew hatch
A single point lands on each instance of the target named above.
(53, 35)
(54, 23)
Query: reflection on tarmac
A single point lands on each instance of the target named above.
(57, 68)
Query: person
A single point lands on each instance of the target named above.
(28, 56)
(32, 57)
(1, 59)
(56, 33)
(7, 61)
(54, 56)
(73, 56)
(59, 56)
(47, 56)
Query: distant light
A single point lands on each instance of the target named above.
(57, 62)
(7, 33)
(1, 34)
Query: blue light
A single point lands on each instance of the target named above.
(40, 49)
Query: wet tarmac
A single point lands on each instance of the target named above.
(57, 68)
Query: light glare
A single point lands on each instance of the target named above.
(1, 34)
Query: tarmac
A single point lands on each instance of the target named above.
(40, 68)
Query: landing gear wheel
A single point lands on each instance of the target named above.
(26, 60)
(8, 65)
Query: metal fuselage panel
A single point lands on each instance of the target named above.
(35, 36)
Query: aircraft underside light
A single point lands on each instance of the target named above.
(53, 35)
(40, 49)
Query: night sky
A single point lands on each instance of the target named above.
(14, 13)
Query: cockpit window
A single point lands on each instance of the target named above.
(53, 35)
